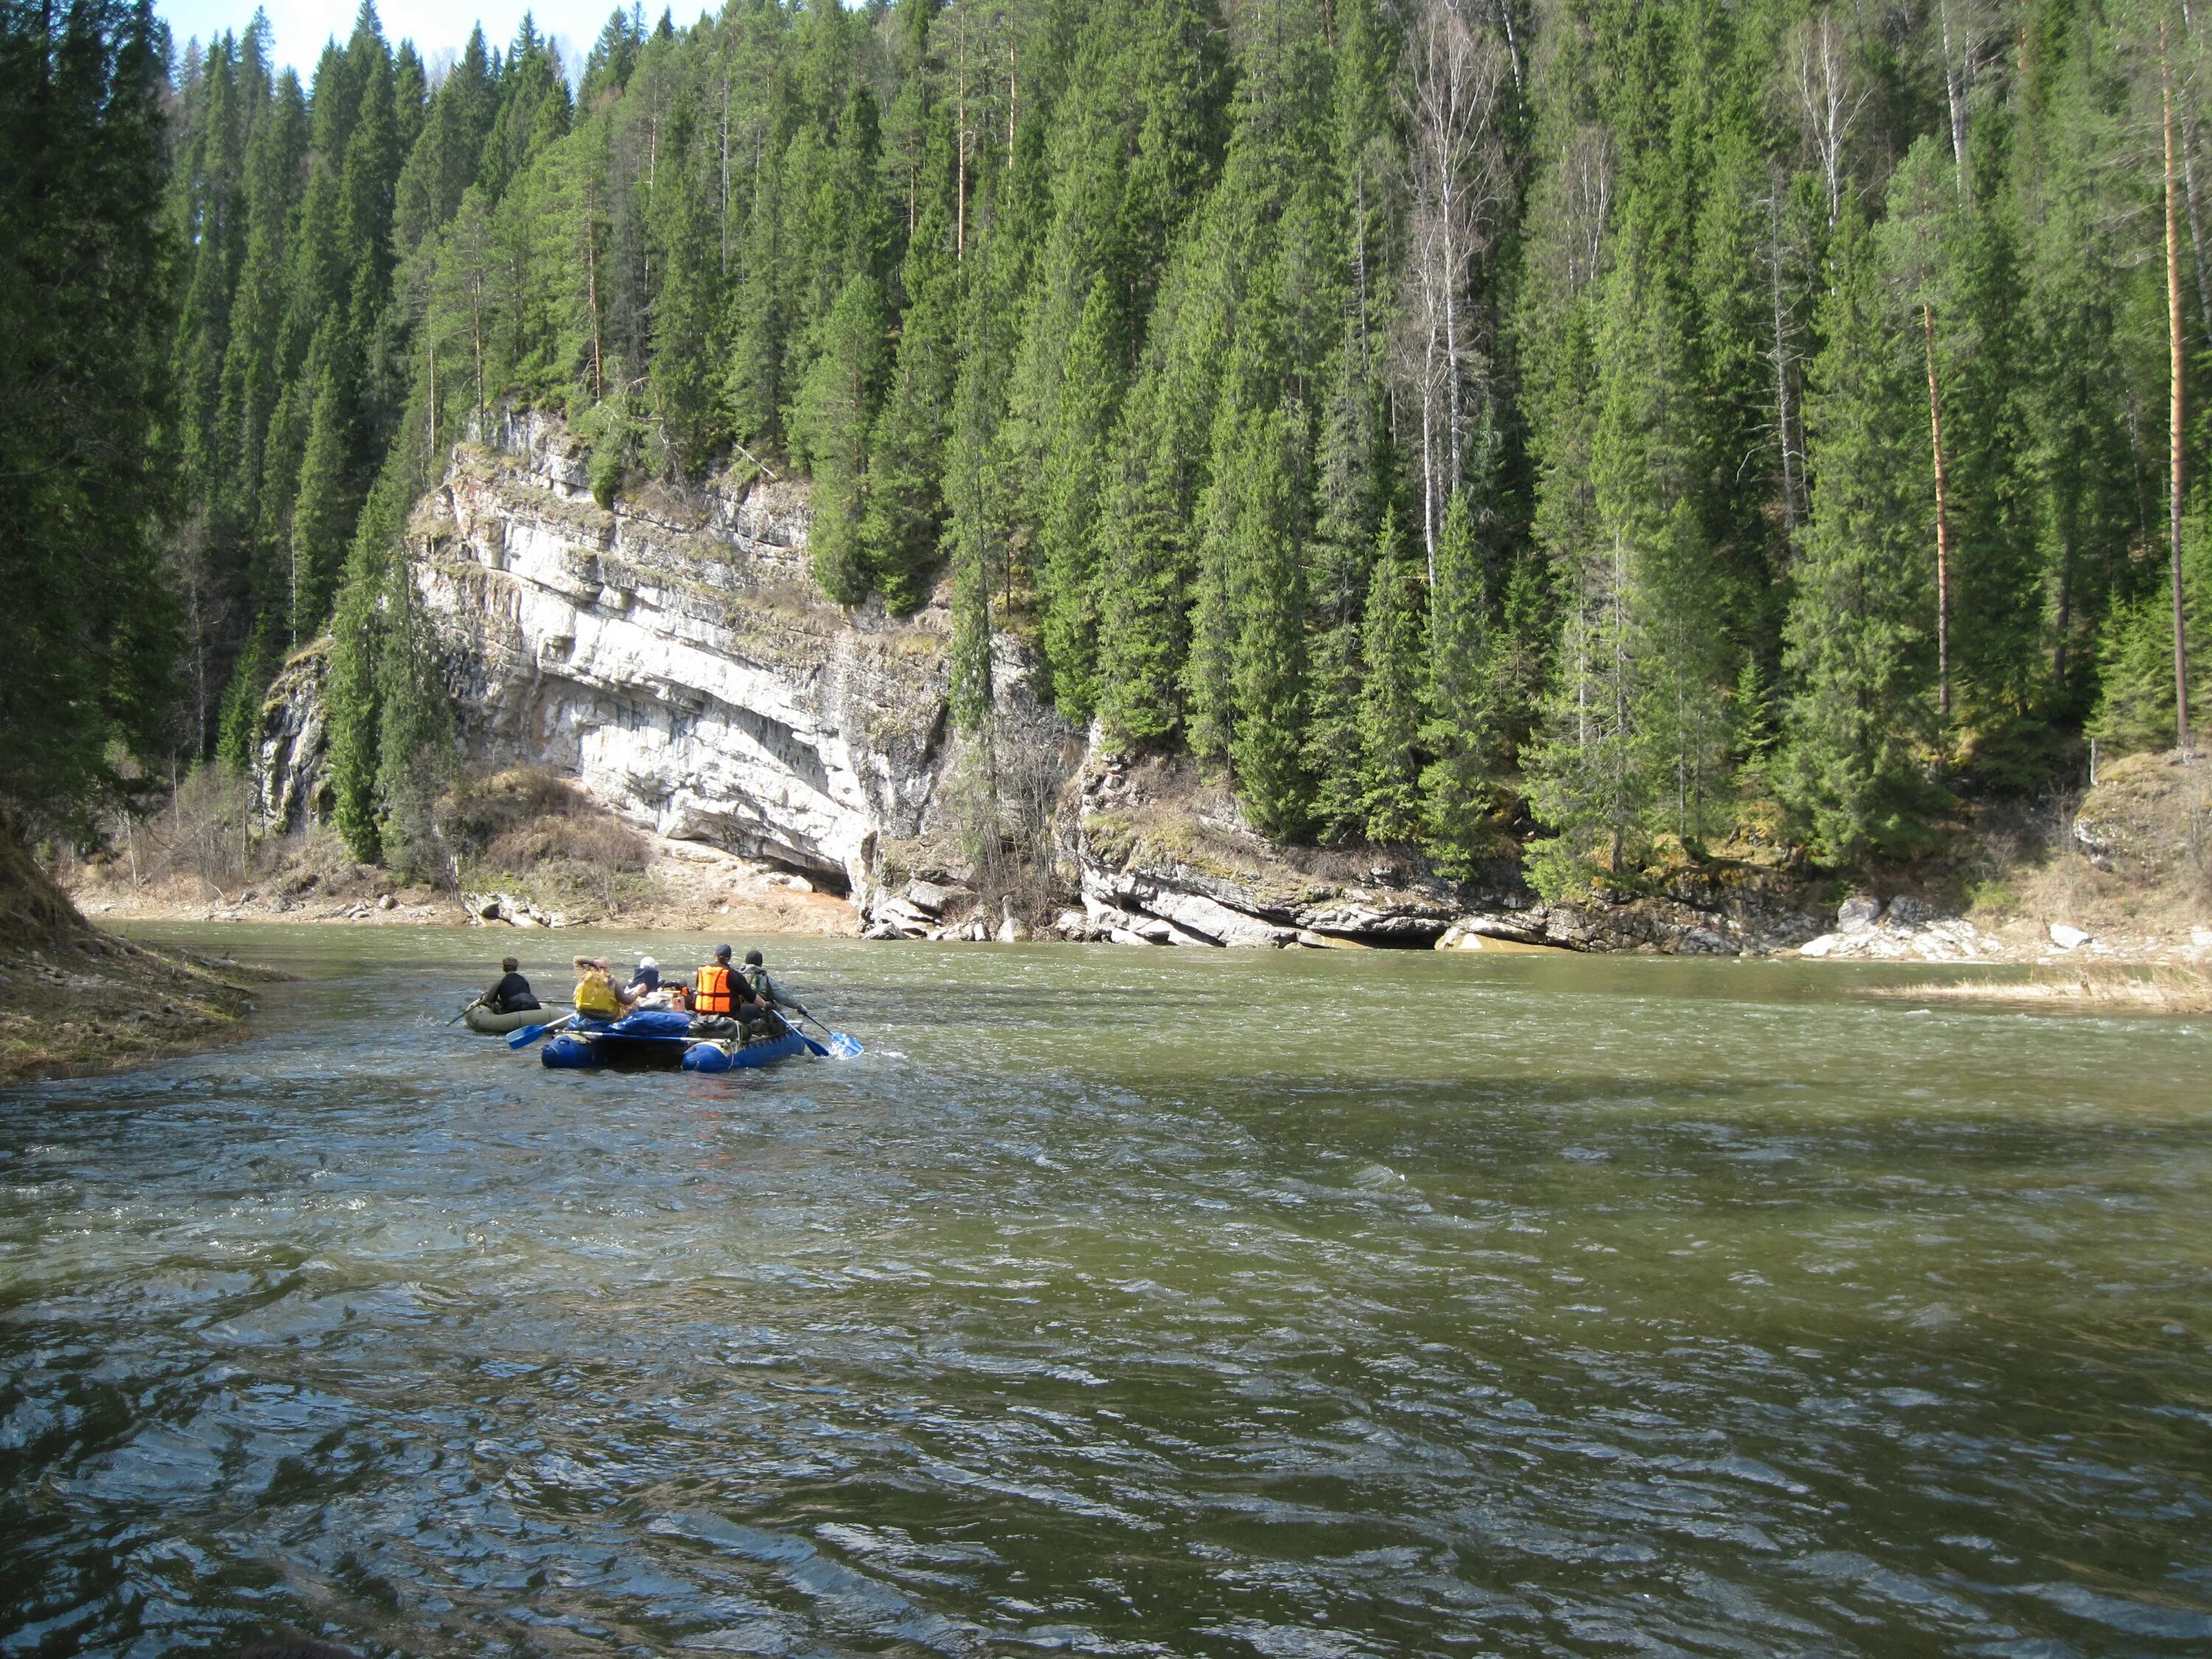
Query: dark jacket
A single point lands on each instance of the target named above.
(510, 996)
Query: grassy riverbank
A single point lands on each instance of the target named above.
(2160, 988)
(97, 1003)
(74, 999)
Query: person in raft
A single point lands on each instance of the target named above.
(713, 995)
(644, 983)
(596, 996)
(512, 996)
(770, 993)
(757, 1022)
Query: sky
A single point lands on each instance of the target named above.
(299, 27)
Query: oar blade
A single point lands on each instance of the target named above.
(528, 1035)
(842, 1046)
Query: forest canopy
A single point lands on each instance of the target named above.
(1586, 427)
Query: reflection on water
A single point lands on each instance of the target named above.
(1127, 1302)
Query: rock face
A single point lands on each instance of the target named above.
(1164, 860)
(289, 784)
(675, 657)
(1904, 929)
(2149, 819)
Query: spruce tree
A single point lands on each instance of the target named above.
(1265, 592)
(1144, 549)
(829, 427)
(1350, 502)
(1391, 688)
(324, 512)
(1859, 718)
(689, 339)
(905, 452)
(88, 302)
(1457, 801)
(1069, 488)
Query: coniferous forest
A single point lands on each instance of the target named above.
(1596, 427)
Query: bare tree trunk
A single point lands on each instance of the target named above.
(1957, 47)
(1428, 474)
(2189, 129)
(2179, 482)
(1942, 529)
(1828, 100)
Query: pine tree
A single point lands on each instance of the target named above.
(1266, 591)
(323, 516)
(1069, 488)
(905, 452)
(1858, 728)
(1457, 795)
(1391, 689)
(829, 426)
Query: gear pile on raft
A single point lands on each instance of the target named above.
(728, 1018)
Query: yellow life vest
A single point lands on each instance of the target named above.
(712, 994)
(595, 996)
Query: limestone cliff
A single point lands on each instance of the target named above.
(675, 657)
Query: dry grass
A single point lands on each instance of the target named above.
(529, 827)
(2157, 989)
(2152, 877)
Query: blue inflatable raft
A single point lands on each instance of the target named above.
(658, 1040)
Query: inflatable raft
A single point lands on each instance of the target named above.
(481, 1018)
(658, 1040)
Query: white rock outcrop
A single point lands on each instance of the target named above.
(675, 657)
(1906, 929)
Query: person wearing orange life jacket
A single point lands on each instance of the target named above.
(711, 991)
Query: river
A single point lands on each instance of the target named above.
(1303, 1306)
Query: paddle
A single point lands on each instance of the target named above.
(530, 1033)
(464, 1014)
(843, 1047)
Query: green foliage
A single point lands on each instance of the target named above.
(1858, 651)
(88, 302)
(1460, 737)
(1136, 319)
(1391, 689)
(2134, 709)
(1266, 596)
(829, 429)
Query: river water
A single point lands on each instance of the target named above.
(1302, 1306)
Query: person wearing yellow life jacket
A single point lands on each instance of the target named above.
(711, 992)
(596, 997)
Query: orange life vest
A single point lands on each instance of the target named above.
(712, 995)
